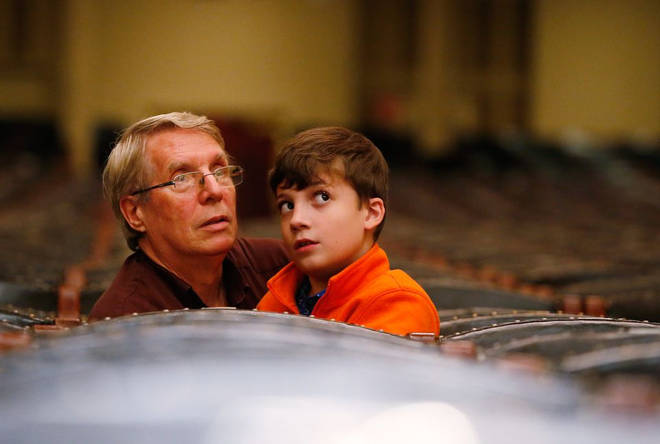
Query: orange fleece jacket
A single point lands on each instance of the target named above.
(365, 293)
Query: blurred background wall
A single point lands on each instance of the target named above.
(425, 72)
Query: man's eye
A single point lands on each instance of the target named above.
(181, 178)
(285, 207)
(321, 197)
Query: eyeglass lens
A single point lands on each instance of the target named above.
(225, 177)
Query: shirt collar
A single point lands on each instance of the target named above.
(181, 290)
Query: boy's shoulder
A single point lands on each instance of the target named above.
(393, 301)
(377, 277)
(395, 280)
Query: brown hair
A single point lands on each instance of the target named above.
(317, 150)
(126, 170)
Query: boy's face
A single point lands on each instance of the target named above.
(324, 227)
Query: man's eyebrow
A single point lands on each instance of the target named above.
(175, 166)
(221, 157)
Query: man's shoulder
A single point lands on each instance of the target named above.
(261, 254)
(137, 287)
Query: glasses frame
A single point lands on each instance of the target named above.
(169, 183)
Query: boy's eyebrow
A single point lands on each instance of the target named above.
(317, 181)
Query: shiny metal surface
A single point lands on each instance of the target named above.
(205, 376)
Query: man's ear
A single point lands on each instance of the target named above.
(375, 213)
(132, 212)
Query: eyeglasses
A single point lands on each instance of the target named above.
(226, 176)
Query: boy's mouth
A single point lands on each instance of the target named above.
(302, 243)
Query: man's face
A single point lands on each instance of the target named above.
(201, 221)
(323, 226)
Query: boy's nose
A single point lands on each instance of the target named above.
(298, 218)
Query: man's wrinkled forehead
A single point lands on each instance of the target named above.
(158, 144)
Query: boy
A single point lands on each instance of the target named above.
(330, 185)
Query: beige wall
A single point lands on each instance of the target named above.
(290, 57)
(27, 74)
(595, 65)
(434, 103)
(597, 68)
(283, 60)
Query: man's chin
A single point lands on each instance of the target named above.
(219, 246)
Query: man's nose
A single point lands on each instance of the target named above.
(209, 187)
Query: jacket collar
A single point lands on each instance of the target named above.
(341, 286)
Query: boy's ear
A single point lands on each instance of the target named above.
(375, 213)
(132, 212)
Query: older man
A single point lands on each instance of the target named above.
(172, 186)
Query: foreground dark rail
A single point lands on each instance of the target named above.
(228, 376)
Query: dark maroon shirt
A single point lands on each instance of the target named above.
(142, 285)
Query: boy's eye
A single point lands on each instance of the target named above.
(285, 206)
(321, 197)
